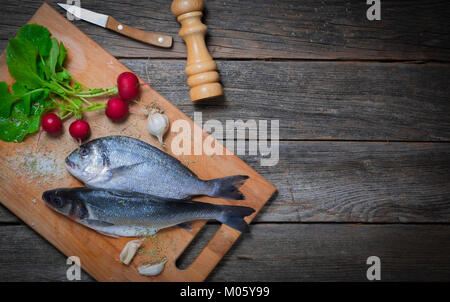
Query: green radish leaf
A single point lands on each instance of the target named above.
(20, 90)
(61, 57)
(21, 58)
(41, 69)
(6, 100)
(41, 102)
(28, 98)
(52, 59)
(18, 125)
(37, 35)
(77, 86)
(63, 75)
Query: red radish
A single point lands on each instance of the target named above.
(51, 123)
(128, 85)
(79, 129)
(116, 109)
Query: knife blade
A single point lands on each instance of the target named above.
(112, 24)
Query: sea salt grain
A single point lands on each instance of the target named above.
(46, 166)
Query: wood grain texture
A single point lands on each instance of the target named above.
(200, 67)
(6, 217)
(359, 182)
(332, 183)
(321, 100)
(297, 252)
(138, 34)
(329, 29)
(94, 67)
(355, 182)
(322, 252)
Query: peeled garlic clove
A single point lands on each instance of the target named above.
(152, 270)
(157, 124)
(130, 249)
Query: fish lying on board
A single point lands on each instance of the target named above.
(129, 214)
(125, 163)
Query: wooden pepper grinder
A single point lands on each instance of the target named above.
(200, 67)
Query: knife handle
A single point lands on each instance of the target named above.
(140, 35)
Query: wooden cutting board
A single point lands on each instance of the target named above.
(29, 168)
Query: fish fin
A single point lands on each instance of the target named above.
(103, 177)
(185, 225)
(107, 175)
(233, 216)
(123, 169)
(227, 187)
(108, 234)
(96, 223)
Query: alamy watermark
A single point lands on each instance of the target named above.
(74, 270)
(76, 9)
(374, 11)
(250, 137)
(374, 270)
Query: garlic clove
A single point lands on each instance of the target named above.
(158, 124)
(152, 270)
(130, 249)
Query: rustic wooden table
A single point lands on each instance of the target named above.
(364, 117)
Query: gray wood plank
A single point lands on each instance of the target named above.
(354, 182)
(329, 29)
(26, 256)
(331, 252)
(320, 100)
(358, 182)
(297, 252)
(7, 217)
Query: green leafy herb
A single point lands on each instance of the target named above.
(62, 56)
(19, 124)
(51, 60)
(21, 56)
(37, 35)
(6, 100)
(35, 60)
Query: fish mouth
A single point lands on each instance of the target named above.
(46, 196)
(70, 164)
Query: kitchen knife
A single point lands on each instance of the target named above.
(111, 23)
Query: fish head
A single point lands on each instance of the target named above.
(67, 201)
(88, 161)
(56, 200)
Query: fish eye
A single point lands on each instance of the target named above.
(83, 151)
(58, 202)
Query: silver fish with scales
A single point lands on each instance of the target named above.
(125, 163)
(121, 213)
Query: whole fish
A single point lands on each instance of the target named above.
(125, 163)
(129, 214)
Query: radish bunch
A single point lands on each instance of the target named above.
(116, 109)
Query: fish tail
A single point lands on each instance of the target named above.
(227, 187)
(233, 216)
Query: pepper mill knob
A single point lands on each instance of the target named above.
(200, 67)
